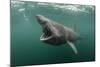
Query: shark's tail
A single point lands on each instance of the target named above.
(73, 47)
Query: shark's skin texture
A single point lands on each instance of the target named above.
(56, 34)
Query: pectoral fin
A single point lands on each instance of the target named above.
(73, 47)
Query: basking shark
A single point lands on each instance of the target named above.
(57, 34)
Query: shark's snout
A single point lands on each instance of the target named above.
(41, 19)
(39, 16)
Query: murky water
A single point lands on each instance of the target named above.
(26, 47)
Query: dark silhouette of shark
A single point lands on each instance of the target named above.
(56, 34)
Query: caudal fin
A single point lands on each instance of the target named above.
(73, 47)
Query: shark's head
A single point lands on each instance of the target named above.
(51, 34)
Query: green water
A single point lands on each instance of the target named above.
(26, 47)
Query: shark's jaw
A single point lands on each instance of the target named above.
(46, 35)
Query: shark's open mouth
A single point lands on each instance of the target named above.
(52, 33)
(46, 35)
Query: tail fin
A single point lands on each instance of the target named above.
(73, 47)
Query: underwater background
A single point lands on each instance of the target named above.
(26, 47)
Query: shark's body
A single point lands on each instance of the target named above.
(56, 34)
